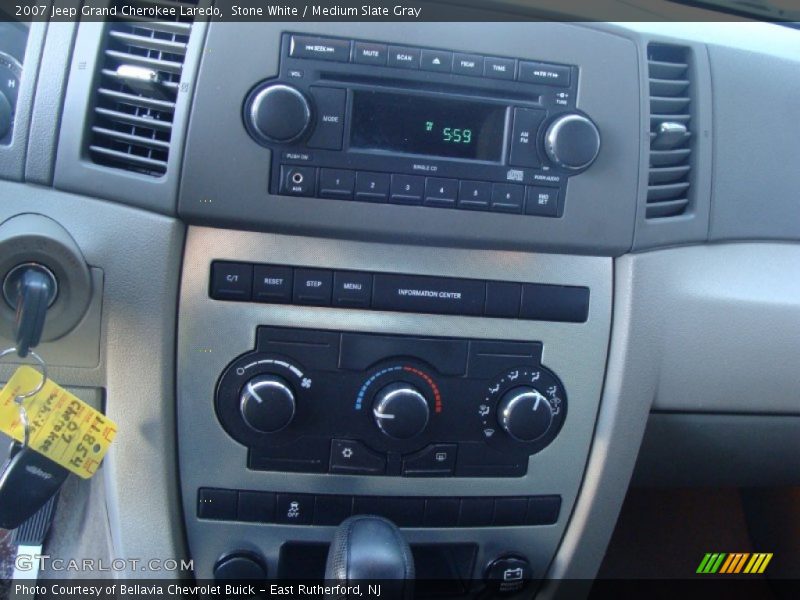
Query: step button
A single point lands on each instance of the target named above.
(312, 286)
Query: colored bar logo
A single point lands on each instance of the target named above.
(734, 563)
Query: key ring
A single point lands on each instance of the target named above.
(19, 399)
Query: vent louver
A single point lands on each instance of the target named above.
(134, 107)
(669, 179)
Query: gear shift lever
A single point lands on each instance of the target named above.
(371, 549)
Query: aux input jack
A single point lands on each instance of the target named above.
(297, 178)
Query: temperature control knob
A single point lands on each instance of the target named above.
(277, 114)
(267, 403)
(400, 411)
(525, 414)
(572, 142)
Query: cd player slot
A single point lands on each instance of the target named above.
(399, 85)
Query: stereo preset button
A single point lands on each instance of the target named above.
(441, 192)
(437, 60)
(272, 284)
(468, 64)
(541, 201)
(231, 280)
(524, 144)
(354, 458)
(298, 181)
(312, 286)
(303, 46)
(533, 72)
(352, 290)
(412, 293)
(366, 53)
(499, 68)
(372, 187)
(403, 58)
(329, 124)
(507, 198)
(336, 183)
(407, 189)
(474, 195)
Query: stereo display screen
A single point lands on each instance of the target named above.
(428, 126)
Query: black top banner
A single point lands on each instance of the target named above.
(398, 10)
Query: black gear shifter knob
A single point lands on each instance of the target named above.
(368, 549)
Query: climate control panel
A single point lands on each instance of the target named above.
(362, 404)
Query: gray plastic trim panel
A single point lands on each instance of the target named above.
(719, 450)
(139, 254)
(211, 333)
(226, 173)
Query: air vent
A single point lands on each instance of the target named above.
(140, 72)
(669, 179)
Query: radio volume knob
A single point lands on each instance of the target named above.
(267, 403)
(525, 414)
(572, 142)
(276, 114)
(400, 411)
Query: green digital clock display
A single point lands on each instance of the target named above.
(427, 125)
(453, 135)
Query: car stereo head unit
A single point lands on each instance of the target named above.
(357, 120)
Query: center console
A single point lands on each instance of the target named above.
(368, 323)
(465, 430)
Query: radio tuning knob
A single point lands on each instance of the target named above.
(267, 403)
(400, 411)
(572, 142)
(525, 414)
(276, 114)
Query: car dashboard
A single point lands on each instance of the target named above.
(475, 278)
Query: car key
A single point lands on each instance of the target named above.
(34, 291)
(29, 538)
(28, 480)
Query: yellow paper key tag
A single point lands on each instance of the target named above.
(62, 427)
